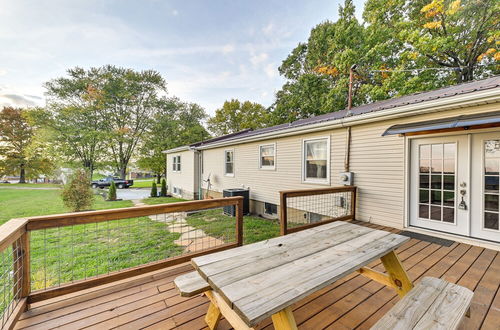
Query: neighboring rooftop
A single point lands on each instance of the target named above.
(445, 92)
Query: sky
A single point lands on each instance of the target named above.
(208, 51)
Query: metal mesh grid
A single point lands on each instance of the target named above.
(11, 279)
(302, 210)
(66, 254)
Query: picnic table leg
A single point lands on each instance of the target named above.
(284, 320)
(213, 314)
(397, 273)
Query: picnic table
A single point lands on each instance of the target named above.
(252, 282)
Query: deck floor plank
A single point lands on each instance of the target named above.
(353, 302)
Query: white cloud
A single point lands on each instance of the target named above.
(271, 70)
(229, 48)
(260, 58)
(175, 12)
(268, 29)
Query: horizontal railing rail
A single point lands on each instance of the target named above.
(307, 208)
(48, 256)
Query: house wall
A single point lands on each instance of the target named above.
(377, 161)
(187, 178)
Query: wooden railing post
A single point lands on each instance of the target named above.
(283, 214)
(239, 222)
(21, 267)
(353, 202)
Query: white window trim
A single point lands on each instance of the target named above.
(174, 163)
(224, 164)
(325, 181)
(267, 167)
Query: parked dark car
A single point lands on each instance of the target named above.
(106, 182)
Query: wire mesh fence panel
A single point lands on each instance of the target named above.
(11, 260)
(66, 254)
(317, 207)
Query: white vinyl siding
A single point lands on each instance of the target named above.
(185, 181)
(378, 163)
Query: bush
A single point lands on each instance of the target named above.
(154, 191)
(163, 192)
(76, 194)
(112, 192)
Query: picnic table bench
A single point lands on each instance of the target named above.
(252, 282)
(264, 279)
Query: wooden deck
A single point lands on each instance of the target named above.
(151, 301)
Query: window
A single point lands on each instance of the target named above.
(437, 182)
(267, 156)
(229, 162)
(316, 160)
(270, 208)
(491, 188)
(176, 163)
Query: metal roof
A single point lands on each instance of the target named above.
(422, 97)
(463, 121)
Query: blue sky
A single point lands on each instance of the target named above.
(208, 51)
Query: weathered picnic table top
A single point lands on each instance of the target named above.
(260, 279)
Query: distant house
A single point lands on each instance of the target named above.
(427, 162)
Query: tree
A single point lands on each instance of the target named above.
(21, 147)
(75, 114)
(76, 194)
(175, 123)
(405, 47)
(235, 116)
(462, 35)
(112, 192)
(163, 191)
(131, 99)
(154, 191)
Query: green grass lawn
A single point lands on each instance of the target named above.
(145, 183)
(162, 200)
(30, 185)
(18, 203)
(61, 255)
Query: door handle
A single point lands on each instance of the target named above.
(462, 205)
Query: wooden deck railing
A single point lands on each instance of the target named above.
(307, 208)
(40, 255)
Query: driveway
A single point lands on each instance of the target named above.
(131, 193)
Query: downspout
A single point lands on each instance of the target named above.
(200, 174)
(348, 114)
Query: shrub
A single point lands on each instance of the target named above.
(154, 191)
(163, 192)
(76, 194)
(112, 192)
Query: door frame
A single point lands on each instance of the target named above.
(464, 227)
(407, 188)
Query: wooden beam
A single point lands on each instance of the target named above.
(283, 214)
(76, 218)
(377, 276)
(213, 314)
(116, 276)
(397, 273)
(226, 310)
(239, 222)
(11, 231)
(284, 320)
(16, 314)
(320, 191)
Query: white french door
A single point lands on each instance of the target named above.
(439, 187)
(485, 186)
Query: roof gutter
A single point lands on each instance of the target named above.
(452, 102)
(181, 148)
